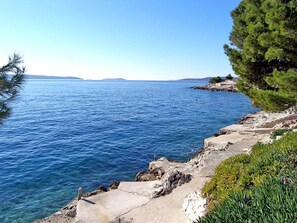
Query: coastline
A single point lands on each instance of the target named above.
(226, 86)
(180, 182)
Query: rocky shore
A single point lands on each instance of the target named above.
(170, 191)
(227, 86)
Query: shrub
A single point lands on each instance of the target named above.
(278, 132)
(227, 178)
(243, 172)
(214, 80)
(229, 77)
(273, 201)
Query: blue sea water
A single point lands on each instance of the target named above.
(66, 134)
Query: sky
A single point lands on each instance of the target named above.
(131, 39)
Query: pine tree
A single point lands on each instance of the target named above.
(11, 79)
(229, 77)
(263, 51)
(215, 80)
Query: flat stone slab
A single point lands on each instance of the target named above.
(140, 188)
(243, 129)
(234, 128)
(105, 207)
(276, 121)
(220, 140)
(166, 165)
(262, 130)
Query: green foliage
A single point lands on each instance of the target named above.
(264, 51)
(271, 100)
(242, 172)
(11, 79)
(229, 77)
(226, 178)
(278, 132)
(214, 80)
(273, 201)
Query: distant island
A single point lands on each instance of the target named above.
(29, 76)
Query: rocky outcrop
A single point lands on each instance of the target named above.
(151, 174)
(114, 185)
(170, 173)
(65, 215)
(227, 86)
(171, 180)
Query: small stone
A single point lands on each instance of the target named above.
(102, 188)
(71, 212)
(114, 185)
(145, 177)
(180, 183)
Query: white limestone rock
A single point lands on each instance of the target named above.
(171, 180)
(194, 206)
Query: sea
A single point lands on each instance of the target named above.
(66, 134)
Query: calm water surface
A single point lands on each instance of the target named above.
(63, 135)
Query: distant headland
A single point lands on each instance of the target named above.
(196, 79)
(227, 86)
(113, 79)
(44, 77)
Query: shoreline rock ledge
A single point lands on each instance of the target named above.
(171, 191)
(227, 86)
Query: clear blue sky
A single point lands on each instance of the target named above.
(132, 39)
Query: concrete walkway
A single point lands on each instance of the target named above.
(132, 202)
(105, 207)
